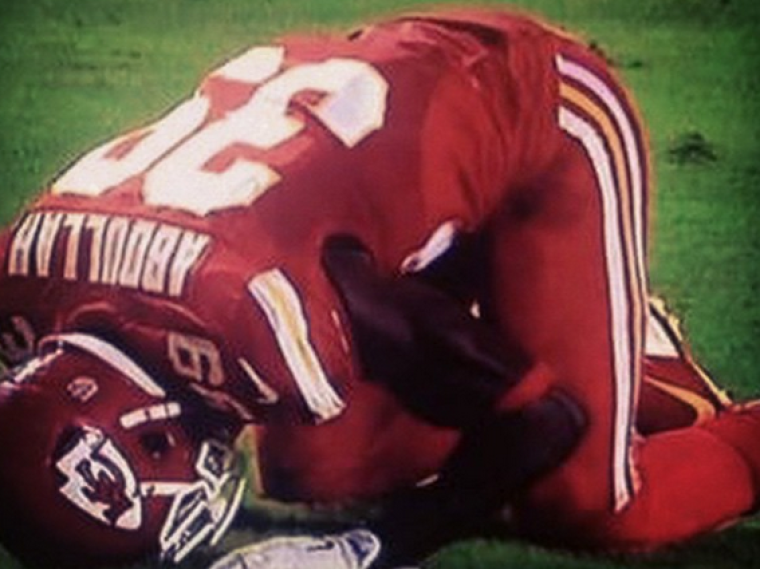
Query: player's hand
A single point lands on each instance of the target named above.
(443, 363)
(493, 464)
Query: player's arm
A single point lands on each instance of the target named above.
(442, 363)
(446, 366)
(420, 342)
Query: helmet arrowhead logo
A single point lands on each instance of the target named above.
(100, 481)
(106, 487)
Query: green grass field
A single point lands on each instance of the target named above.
(76, 72)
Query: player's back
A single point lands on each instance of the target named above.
(188, 235)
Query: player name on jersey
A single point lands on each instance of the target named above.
(147, 255)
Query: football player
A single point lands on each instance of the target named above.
(417, 250)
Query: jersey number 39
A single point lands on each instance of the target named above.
(175, 152)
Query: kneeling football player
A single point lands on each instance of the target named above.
(415, 251)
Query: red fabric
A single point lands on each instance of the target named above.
(738, 427)
(691, 482)
(470, 136)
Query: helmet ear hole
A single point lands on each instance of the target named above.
(157, 444)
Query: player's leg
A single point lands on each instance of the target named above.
(570, 290)
(408, 328)
(569, 283)
(676, 391)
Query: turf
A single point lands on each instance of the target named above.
(74, 73)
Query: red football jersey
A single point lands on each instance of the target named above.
(194, 243)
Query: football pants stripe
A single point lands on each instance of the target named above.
(590, 94)
(703, 408)
(597, 118)
(620, 311)
(609, 134)
(630, 196)
(631, 142)
(282, 306)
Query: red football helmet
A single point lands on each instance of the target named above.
(99, 465)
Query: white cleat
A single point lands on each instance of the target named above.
(356, 549)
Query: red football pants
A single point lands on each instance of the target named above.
(570, 289)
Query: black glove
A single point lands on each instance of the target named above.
(449, 368)
(491, 466)
(423, 345)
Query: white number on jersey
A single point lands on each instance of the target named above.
(173, 152)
